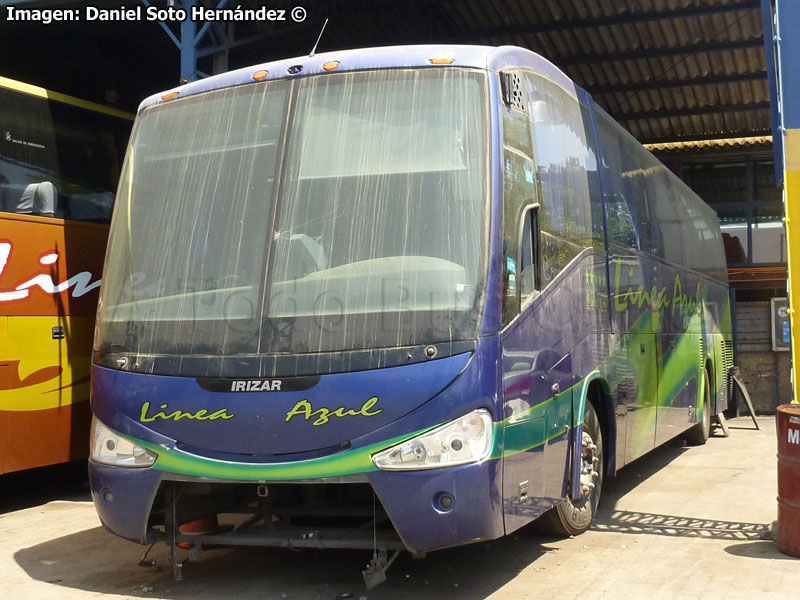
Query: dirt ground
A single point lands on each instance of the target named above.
(679, 523)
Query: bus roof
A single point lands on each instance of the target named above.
(35, 90)
(386, 57)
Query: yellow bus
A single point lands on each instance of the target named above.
(59, 165)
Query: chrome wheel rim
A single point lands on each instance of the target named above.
(590, 461)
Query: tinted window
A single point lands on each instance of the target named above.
(519, 190)
(90, 147)
(57, 159)
(28, 154)
(701, 241)
(666, 214)
(562, 158)
(649, 208)
(624, 189)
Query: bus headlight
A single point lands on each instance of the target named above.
(465, 440)
(110, 448)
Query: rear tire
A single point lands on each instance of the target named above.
(573, 517)
(698, 434)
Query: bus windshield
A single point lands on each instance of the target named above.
(323, 214)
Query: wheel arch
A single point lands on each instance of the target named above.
(594, 389)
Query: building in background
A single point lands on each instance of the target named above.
(738, 180)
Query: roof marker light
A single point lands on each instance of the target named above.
(441, 61)
(170, 95)
(259, 75)
(330, 65)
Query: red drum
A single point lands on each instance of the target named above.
(789, 479)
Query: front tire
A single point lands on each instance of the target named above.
(573, 517)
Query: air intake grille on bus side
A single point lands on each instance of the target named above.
(702, 352)
(512, 90)
(727, 368)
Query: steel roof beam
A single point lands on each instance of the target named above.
(641, 86)
(622, 18)
(706, 109)
(647, 53)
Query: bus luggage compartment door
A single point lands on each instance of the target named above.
(679, 376)
(637, 374)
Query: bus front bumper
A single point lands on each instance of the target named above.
(429, 509)
(123, 498)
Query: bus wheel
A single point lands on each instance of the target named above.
(572, 517)
(698, 434)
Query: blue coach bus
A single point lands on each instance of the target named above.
(403, 297)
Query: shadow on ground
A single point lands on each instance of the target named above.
(622, 521)
(609, 519)
(762, 549)
(96, 561)
(25, 489)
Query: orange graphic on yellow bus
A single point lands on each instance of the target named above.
(14, 382)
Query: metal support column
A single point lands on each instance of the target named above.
(787, 57)
(188, 45)
(770, 52)
(190, 38)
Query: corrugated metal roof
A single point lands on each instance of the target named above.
(668, 70)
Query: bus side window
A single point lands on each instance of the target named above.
(519, 191)
(666, 213)
(28, 159)
(561, 152)
(625, 176)
(622, 233)
(87, 145)
(700, 240)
